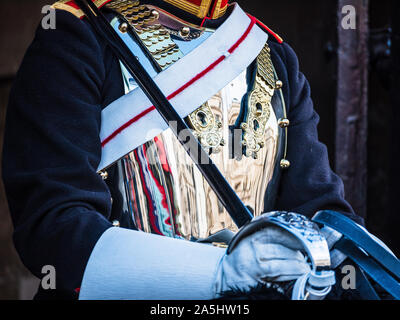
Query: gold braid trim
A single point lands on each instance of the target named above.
(219, 12)
(199, 11)
(69, 5)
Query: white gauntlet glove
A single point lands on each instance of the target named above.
(269, 255)
(269, 249)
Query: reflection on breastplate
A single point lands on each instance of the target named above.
(162, 190)
(167, 194)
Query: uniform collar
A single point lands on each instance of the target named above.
(210, 13)
(212, 9)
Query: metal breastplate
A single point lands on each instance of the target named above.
(160, 190)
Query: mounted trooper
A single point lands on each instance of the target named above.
(100, 188)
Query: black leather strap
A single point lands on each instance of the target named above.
(365, 288)
(370, 266)
(361, 238)
(366, 252)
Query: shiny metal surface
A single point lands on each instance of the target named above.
(160, 190)
(166, 193)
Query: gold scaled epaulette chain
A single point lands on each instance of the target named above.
(152, 34)
(259, 104)
(265, 68)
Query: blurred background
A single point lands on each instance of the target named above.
(355, 80)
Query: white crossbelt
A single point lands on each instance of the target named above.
(131, 120)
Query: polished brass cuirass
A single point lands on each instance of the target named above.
(168, 195)
(165, 193)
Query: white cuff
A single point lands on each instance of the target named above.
(132, 265)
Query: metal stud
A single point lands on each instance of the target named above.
(285, 164)
(104, 175)
(278, 84)
(185, 31)
(155, 14)
(116, 224)
(123, 27)
(284, 123)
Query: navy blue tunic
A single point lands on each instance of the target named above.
(59, 205)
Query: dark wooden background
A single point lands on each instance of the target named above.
(311, 27)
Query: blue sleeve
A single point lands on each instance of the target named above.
(309, 185)
(59, 204)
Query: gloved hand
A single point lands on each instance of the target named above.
(127, 264)
(269, 255)
(269, 249)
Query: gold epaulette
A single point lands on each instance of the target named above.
(72, 7)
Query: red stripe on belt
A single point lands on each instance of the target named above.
(184, 87)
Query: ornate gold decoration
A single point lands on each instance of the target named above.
(144, 22)
(207, 129)
(259, 105)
